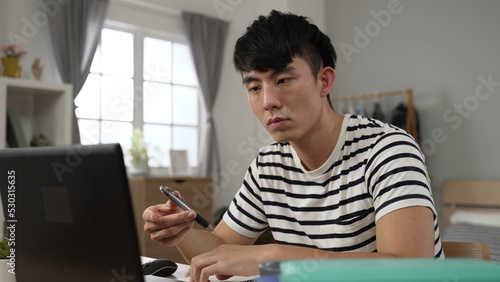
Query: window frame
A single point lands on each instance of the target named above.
(139, 34)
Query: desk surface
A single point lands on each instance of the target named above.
(182, 273)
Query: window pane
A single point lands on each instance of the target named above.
(117, 53)
(184, 72)
(185, 105)
(186, 138)
(157, 102)
(117, 98)
(87, 101)
(158, 139)
(89, 131)
(117, 132)
(157, 60)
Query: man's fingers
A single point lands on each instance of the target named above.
(167, 223)
(174, 219)
(155, 222)
(152, 213)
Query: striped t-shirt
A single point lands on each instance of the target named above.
(375, 168)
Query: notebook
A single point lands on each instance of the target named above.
(382, 270)
(69, 214)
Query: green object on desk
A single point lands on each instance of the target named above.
(373, 270)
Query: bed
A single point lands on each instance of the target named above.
(471, 213)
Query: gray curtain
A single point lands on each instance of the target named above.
(207, 37)
(76, 31)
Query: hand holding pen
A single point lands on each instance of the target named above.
(179, 201)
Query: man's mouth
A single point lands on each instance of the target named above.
(276, 123)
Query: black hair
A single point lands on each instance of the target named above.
(271, 43)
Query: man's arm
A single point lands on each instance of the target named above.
(200, 241)
(407, 232)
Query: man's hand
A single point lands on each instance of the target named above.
(228, 260)
(167, 223)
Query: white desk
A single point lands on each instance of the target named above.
(182, 274)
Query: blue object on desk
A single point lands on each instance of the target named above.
(387, 270)
(268, 279)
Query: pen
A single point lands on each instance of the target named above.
(179, 201)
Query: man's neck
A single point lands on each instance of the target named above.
(315, 150)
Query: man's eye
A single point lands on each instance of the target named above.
(283, 80)
(253, 89)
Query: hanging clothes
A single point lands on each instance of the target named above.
(360, 110)
(378, 113)
(399, 118)
(409, 122)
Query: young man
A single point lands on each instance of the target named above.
(331, 186)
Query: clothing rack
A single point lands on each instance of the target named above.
(411, 124)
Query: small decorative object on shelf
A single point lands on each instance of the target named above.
(10, 60)
(138, 153)
(37, 69)
(39, 141)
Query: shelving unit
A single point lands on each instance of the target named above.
(43, 108)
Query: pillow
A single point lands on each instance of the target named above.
(490, 219)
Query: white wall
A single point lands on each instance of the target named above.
(25, 23)
(440, 49)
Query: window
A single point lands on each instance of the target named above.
(160, 96)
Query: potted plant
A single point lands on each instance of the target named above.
(7, 273)
(10, 60)
(138, 153)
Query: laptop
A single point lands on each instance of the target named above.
(69, 212)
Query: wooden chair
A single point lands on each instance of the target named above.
(465, 250)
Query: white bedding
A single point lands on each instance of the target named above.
(491, 219)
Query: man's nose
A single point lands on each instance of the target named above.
(271, 97)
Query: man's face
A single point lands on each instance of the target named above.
(288, 102)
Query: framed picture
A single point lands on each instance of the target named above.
(179, 161)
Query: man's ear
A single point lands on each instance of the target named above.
(327, 79)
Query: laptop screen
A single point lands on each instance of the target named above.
(69, 214)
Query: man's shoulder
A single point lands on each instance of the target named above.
(357, 122)
(363, 126)
(363, 131)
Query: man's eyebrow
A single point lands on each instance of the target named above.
(249, 78)
(280, 71)
(273, 74)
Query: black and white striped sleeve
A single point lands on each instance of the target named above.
(396, 175)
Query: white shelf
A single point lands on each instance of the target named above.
(43, 108)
